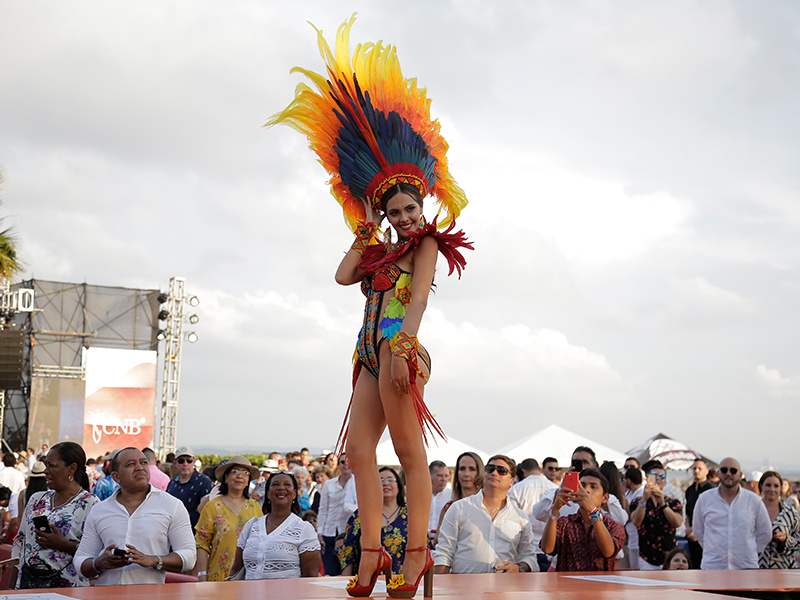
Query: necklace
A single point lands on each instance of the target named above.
(54, 506)
(274, 527)
(389, 519)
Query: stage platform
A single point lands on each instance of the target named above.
(622, 585)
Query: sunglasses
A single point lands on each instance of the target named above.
(183, 461)
(236, 472)
(659, 475)
(553, 468)
(499, 468)
(388, 480)
(726, 470)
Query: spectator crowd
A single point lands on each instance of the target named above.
(127, 518)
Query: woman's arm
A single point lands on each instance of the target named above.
(309, 563)
(348, 272)
(238, 562)
(424, 267)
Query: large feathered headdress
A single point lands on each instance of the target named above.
(371, 128)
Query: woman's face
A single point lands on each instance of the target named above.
(678, 562)
(281, 490)
(467, 472)
(302, 479)
(388, 485)
(332, 462)
(56, 472)
(321, 478)
(237, 478)
(404, 213)
(771, 490)
(786, 487)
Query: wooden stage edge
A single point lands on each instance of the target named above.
(625, 585)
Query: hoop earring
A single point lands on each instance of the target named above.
(70, 477)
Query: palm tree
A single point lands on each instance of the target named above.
(9, 263)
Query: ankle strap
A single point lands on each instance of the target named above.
(420, 549)
(373, 549)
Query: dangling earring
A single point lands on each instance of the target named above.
(70, 477)
(422, 222)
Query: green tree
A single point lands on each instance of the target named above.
(10, 265)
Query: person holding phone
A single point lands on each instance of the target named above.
(52, 523)
(656, 518)
(583, 457)
(586, 540)
(137, 534)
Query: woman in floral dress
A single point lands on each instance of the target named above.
(45, 557)
(394, 526)
(223, 518)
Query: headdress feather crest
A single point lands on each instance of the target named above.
(371, 128)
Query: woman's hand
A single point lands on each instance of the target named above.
(400, 374)
(371, 215)
(777, 536)
(53, 540)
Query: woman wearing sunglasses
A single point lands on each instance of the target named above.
(223, 518)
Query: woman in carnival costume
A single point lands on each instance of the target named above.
(371, 129)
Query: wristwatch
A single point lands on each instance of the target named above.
(595, 515)
(160, 565)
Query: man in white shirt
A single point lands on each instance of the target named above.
(127, 537)
(441, 493)
(732, 525)
(485, 532)
(525, 494)
(10, 477)
(337, 502)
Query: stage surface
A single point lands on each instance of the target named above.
(622, 585)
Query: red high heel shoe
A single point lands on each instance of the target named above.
(384, 565)
(398, 588)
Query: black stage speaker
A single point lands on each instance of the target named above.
(11, 345)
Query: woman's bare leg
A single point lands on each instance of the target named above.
(410, 449)
(367, 422)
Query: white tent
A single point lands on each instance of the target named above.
(447, 451)
(559, 443)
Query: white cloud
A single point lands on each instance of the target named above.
(779, 387)
(696, 302)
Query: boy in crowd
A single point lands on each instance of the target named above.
(586, 540)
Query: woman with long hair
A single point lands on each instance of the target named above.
(372, 130)
(468, 481)
(51, 526)
(785, 542)
(223, 519)
(394, 525)
(278, 545)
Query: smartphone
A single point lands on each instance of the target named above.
(577, 466)
(651, 479)
(41, 524)
(121, 552)
(570, 480)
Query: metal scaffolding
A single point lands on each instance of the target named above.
(171, 384)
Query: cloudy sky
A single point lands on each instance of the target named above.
(632, 170)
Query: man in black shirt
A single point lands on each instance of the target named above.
(699, 485)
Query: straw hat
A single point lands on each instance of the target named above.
(235, 460)
(37, 470)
